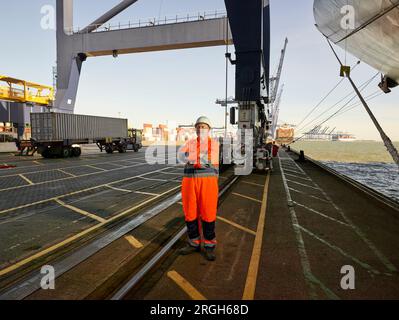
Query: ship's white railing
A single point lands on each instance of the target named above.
(152, 22)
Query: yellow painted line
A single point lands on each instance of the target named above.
(252, 276)
(77, 236)
(246, 197)
(67, 173)
(80, 211)
(132, 191)
(116, 165)
(68, 167)
(94, 167)
(134, 242)
(48, 250)
(173, 173)
(193, 293)
(146, 193)
(118, 189)
(26, 179)
(259, 175)
(75, 192)
(63, 179)
(253, 184)
(173, 189)
(153, 179)
(238, 226)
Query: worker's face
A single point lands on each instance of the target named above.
(202, 130)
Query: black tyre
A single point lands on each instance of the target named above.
(66, 153)
(76, 152)
(109, 149)
(122, 150)
(46, 154)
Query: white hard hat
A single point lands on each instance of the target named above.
(204, 120)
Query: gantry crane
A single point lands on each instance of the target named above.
(17, 90)
(275, 95)
(275, 81)
(276, 112)
(250, 27)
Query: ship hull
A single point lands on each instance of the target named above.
(376, 43)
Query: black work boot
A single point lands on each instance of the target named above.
(188, 249)
(210, 254)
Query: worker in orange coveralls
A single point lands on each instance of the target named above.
(200, 190)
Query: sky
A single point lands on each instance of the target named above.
(178, 86)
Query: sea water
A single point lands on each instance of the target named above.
(367, 162)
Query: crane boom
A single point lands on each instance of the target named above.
(275, 81)
(276, 112)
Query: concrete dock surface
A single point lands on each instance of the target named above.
(290, 234)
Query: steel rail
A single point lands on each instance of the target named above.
(31, 283)
(134, 280)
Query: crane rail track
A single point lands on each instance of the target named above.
(24, 285)
(140, 275)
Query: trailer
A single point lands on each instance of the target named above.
(62, 134)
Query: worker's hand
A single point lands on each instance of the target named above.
(204, 159)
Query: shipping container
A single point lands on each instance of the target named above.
(285, 134)
(65, 126)
(61, 134)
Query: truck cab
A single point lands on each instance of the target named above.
(135, 137)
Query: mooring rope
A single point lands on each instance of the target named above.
(387, 141)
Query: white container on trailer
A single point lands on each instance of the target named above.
(65, 126)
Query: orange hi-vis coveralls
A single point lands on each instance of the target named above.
(200, 190)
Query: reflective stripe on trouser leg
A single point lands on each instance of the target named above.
(209, 234)
(194, 238)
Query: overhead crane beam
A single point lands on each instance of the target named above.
(194, 34)
(74, 49)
